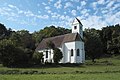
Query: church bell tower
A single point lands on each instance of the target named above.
(77, 27)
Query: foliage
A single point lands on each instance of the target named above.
(3, 31)
(26, 42)
(12, 56)
(49, 32)
(110, 37)
(26, 39)
(93, 45)
(37, 57)
(57, 55)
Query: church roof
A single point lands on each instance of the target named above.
(76, 19)
(59, 40)
(79, 21)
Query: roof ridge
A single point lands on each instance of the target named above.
(79, 20)
(59, 35)
(58, 40)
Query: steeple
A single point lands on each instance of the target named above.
(77, 27)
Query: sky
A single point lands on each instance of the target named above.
(33, 15)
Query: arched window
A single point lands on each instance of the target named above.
(78, 52)
(71, 52)
(46, 54)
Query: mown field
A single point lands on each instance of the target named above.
(103, 69)
(104, 76)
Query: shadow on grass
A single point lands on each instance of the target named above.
(52, 65)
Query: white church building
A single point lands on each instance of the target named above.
(71, 45)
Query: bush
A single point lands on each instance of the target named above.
(37, 57)
(57, 55)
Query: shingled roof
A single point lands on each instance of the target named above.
(59, 40)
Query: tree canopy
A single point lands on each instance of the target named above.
(23, 43)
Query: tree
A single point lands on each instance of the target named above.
(16, 38)
(26, 39)
(110, 39)
(57, 55)
(3, 31)
(93, 45)
(12, 56)
(50, 31)
(37, 57)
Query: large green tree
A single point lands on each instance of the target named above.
(12, 56)
(93, 45)
(110, 39)
(23, 39)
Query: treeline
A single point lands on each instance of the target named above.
(17, 48)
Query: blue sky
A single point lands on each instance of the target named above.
(34, 15)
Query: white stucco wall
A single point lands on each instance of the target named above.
(66, 50)
(50, 55)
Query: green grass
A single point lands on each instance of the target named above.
(109, 76)
(103, 69)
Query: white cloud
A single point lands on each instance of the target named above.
(65, 12)
(8, 11)
(29, 14)
(49, 11)
(12, 6)
(68, 4)
(115, 6)
(83, 3)
(94, 5)
(109, 5)
(84, 11)
(39, 12)
(104, 11)
(55, 15)
(45, 17)
(75, 0)
(73, 12)
(62, 17)
(79, 8)
(101, 2)
(58, 4)
(65, 21)
(93, 22)
(44, 4)
(112, 19)
(14, 14)
(47, 7)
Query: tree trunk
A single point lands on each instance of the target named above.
(93, 60)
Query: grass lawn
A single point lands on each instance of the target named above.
(104, 76)
(103, 69)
